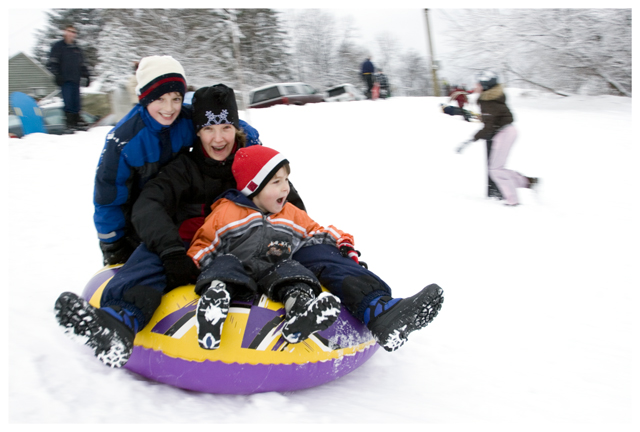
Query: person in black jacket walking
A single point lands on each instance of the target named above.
(66, 63)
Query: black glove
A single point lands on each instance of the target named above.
(179, 269)
(86, 81)
(117, 252)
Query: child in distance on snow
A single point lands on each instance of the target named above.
(246, 244)
(499, 128)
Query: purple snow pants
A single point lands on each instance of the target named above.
(506, 180)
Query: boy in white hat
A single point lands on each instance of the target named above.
(146, 139)
(245, 247)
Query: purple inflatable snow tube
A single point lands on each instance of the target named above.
(328, 355)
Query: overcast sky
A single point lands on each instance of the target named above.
(22, 29)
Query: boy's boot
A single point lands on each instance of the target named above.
(307, 315)
(109, 331)
(211, 313)
(391, 320)
(533, 182)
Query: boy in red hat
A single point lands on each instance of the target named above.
(246, 244)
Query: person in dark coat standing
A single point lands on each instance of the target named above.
(367, 75)
(66, 63)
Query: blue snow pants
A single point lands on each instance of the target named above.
(138, 285)
(71, 97)
(355, 285)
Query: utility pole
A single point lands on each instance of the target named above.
(434, 66)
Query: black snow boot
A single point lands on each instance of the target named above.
(69, 124)
(109, 332)
(80, 124)
(211, 313)
(307, 315)
(391, 320)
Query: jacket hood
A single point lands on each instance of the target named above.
(237, 197)
(494, 93)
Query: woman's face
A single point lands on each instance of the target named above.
(166, 109)
(218, 140)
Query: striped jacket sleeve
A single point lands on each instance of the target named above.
(314, 232)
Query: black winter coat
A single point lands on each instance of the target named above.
(184, 189)
(66, 63)
(495, 112)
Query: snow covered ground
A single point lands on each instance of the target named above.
(539, 323)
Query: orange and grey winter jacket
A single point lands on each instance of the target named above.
(236, 226)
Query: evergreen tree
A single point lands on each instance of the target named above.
(88, 22)
(117, 52)
(263, 47)
(412, 77)
(322, 49)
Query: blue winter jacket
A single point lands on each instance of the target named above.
(367, 67)
(135, 151)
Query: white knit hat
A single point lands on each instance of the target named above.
(157, 75)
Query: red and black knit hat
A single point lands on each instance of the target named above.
(157, 75)
(254, 166)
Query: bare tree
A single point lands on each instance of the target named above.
(315, 43)
(411, 76)
(388, 51)
(560, 50)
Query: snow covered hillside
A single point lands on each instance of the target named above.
(539, 323)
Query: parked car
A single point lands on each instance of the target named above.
(296, 93)
(343, 93)
(54, 121)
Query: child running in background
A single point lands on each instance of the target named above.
(499, 129)
(245, 247)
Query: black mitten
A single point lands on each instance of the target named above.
(179, 269)
(117, 252)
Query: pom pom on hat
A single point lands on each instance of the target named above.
(157, 75)
(215, 105)
(254, 166)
